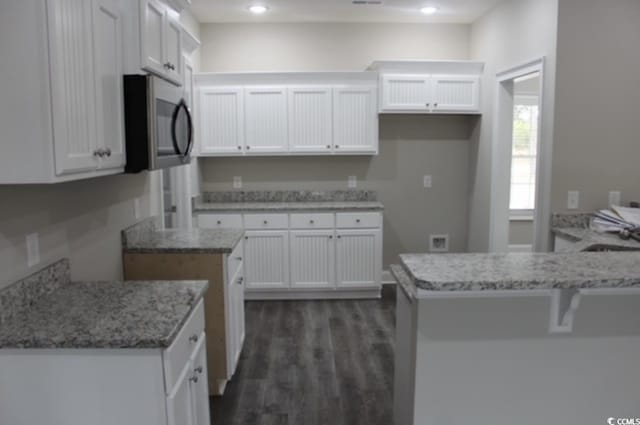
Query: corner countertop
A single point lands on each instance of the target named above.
(193, 241)
(588, 240)
(526, 271)
(141, 315)
(301, 206)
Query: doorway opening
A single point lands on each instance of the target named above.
(515, 182)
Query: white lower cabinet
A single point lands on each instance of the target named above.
(358, 257)
(308, 255)
(109, 386)
(312, 259)
(266, 262)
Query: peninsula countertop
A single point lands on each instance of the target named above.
(585, 239)
(522, 271)
(104, 315)
(146, 237)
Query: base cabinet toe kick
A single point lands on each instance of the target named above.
(308, 255)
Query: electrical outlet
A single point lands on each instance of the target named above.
(237, 182)
(33, 249)
(439, 243)
(352, 182)
(136, 208)
(426, 182)
(573, 200)
(615, 197)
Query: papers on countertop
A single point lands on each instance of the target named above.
(616, 219)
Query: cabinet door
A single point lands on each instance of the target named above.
(199, 385)
(266, 264)
(108, 59)
(312, 259)
(358, 258)
(355, 120)
(456, 93)
(266, 120)
(173, 48)
(221, 120)
(405, 93)
(235, 320)
(310, 120)
(152, 33)
(180, 402)
(72, 85)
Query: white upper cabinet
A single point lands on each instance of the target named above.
(429, 87)
(266, 119)
(221, 117)
(310, 119)
(355, 124)
(70, 90)
(160, 43)
(455, 93)
(405, 92)
(289, 114)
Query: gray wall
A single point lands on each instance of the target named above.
(597, 142)
(80, 220)
(410, 146)
(513, 33)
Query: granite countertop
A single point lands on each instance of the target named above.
(145, 237)
(588, 240)
(287, 206)
(477, 272)
(104, 315)
(288, 200)
(210, 241)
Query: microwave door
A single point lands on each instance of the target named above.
(165, 147)
(182, 130)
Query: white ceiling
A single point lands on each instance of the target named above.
(450, 11)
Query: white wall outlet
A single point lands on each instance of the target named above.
(33, 249)
(136, 208)
(237, 182)
(352, 182)
(439, 243)
(573, 200)
(615, 197)
(426, 182)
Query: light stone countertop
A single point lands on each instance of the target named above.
(588, 240)
(103, 315)
(526, 271)
(209, 241)
(239, 207)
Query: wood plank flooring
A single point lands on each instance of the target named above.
(313, 363)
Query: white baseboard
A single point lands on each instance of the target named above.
(520, 248)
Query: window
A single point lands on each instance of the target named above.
(523, 159)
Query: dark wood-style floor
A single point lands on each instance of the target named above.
(313, 363)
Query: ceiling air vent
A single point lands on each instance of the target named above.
(367, 2)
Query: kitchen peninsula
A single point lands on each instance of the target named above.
(477, 334)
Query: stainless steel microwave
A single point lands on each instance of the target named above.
(158, 124)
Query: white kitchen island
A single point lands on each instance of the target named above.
(524, 339)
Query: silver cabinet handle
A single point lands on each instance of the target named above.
(248, 147)
(193, 338)
(239, 258)
(99, 152)
(311, 221)
(337, 146)
(435, 105)
(167, 65)
(193, 379)
(328, 146)
(239, 147)
(339, 237)
(330, 236)
(357, 220)
(219, 222)
(199, 369)
(108, 152)
(428, 104)
(266, 222)
(240, 281)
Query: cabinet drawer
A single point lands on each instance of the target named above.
(220, 221)
(234, 260)
(312, 221)
(357, 220)
(178, 354)
(266, 221)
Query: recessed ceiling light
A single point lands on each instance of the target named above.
(258, 9)
(429, 10)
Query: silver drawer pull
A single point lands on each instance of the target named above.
(193, 338)
(219, 222)
(240, 281)
(311, 221)
(239, 258)
(199, 369)
(193, 379)
(266, 222)
(357, 220)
